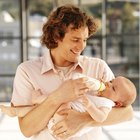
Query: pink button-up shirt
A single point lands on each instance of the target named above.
(40, 74)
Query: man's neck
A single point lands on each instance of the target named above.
(58, 61)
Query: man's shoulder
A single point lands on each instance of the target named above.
(30, 64)
(91, 60)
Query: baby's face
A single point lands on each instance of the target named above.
(114, 90)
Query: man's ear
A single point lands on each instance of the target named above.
(118, 104)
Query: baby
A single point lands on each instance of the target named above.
(98, 102)
(120, 90)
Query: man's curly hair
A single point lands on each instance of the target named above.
(59, 20)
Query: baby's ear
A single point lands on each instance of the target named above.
(118, 104)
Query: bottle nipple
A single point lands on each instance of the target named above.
(102, 86)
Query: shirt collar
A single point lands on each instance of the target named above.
(78, 66)
(47, 63)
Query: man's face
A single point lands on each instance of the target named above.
(70, 48)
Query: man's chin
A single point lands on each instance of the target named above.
(75, 60)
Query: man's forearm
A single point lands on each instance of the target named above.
(117, 115)
(37, 119)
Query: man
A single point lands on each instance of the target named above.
(65, 35)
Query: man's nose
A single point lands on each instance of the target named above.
(81, 45)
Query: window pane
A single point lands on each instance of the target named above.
(93, 48)
(38, 13)
(35, 49)
(6, 85)
(9, 18)
(94, 43)
(93, 8)
(136, 104)
(122, 17)
(62, 2)
(114, 50)
(123, 54)
(9, 55)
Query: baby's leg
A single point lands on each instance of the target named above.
(10, 111)
(37, 98)
(16, 111)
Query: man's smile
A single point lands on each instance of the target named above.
(75, 52)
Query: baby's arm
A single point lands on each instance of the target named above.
(98, 114)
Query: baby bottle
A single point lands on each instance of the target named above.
(96, 85)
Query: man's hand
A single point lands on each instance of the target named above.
(85, 101)
(72, 89)
(68, 127)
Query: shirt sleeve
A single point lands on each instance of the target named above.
(101, 101)
(107, 74)
(22, 88)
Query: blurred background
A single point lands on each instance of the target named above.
(117, 40)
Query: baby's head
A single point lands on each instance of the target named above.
(121, 90)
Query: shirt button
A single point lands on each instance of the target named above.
(61, 78)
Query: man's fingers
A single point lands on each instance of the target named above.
(81, 92)
(56, 126)
(83, 79)
(59, 131)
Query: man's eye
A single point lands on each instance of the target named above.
(75, 40)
